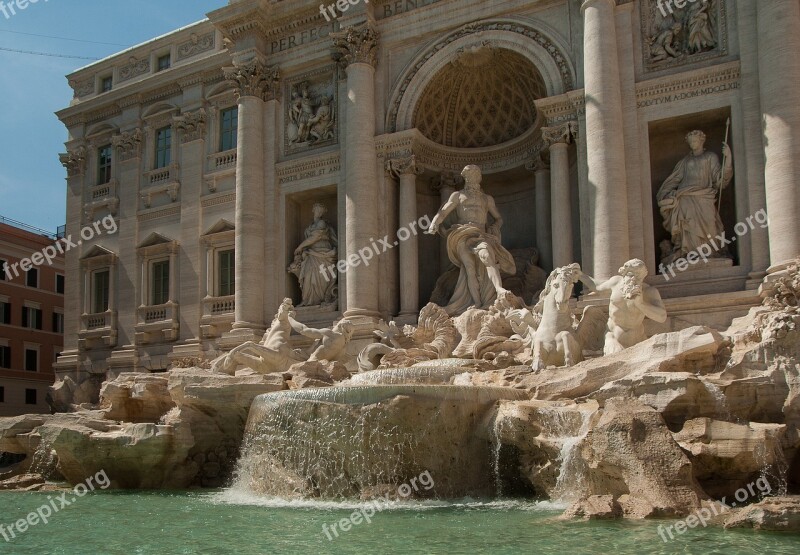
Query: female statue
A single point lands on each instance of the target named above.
(311, 259)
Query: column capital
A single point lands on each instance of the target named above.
(356, 45)
(192, 125)
(254, 78)
(564, 133)
(75, 161)
(611, 3)
(403, 166)
(540, 161)
(446, 180)
(128, 144)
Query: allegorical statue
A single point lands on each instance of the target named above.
(274, 353)
(632, 300)
(317, 251)
(688, 198)
(473, 245)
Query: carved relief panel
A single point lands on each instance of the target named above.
(311, 117)
(673, 36)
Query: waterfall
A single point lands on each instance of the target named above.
(365, 441)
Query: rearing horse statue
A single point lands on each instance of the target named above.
(558, 341)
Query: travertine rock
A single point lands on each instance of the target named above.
(630, 454)
(773, 513)
(136, 397)
(727, 456)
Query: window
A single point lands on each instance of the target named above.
(31, 360)
(227, 273)
(3, 269)
(106, 84)
(59, 284)
(32, 278)
(104, 164)
(100, 291)
(58, 322)
(163, 62)
(229, 126)
(160, 282)
(2, 394)
(5, 356)
(31, 318)
(5, 313)
(163, 147)
(30, 396)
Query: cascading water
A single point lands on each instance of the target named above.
(365, 441)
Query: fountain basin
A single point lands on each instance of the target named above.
(367, 441)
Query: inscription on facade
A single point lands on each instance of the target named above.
(300, 38)
(396, 7)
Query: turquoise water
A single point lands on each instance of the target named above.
(227, 522)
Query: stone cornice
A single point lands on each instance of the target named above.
(74, 161)
(128, 144)
(192, 125)
(701, 82)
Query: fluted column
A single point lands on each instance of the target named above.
(604, 138)
(356, 49)
(407, 170)
(779, 77)
(559, 139)
(544, 235)
(256, 84)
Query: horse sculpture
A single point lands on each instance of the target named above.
(558, 341)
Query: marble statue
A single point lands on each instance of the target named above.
(701, 31)
(663, 45)
(557, 341)
(321, 125)
(274, 354)
(473, 245)
(302, 113)
(317, 251)
(310, 120)
(632, 300)
(688, 198)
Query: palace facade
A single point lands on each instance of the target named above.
(215, 145)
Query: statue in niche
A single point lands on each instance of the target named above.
(632, 300)
(274, 354)
(688, 198)
(316, 252)
(310, 120)
(473, 245)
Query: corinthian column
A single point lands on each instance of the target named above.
(779, 78)
(558, 139)
(257, 83)
(604, 138)
(356, 50)
(544, 234)
(406, 170)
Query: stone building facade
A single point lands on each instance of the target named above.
(221, 138)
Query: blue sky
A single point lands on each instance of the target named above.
(32, 88)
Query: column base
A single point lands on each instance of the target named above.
(241, 333)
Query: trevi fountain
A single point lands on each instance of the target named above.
(561, 351)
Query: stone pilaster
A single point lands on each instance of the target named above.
(540, 167)
(356, 51)
(256, 84)
(407, 170)
(604, 139)
(128, 150)
(779, 77)
(559, 139)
